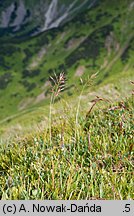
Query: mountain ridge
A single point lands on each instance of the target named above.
(43, 15)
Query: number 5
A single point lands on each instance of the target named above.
(127, 208)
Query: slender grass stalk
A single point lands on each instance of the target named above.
(50, 117)
(58, 87)
(77, 112)
(89, 82)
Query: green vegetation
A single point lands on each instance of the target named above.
(92, 159)
(69, 136)
(98, 40)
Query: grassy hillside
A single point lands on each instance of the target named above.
(66, 109)
(98, 40)
(88, 157)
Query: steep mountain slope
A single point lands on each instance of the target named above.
(101, 40)
(24, 18)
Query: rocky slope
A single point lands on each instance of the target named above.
(33, 17)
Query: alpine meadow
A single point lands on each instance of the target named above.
(67, 100)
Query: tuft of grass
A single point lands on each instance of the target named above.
(66, 168)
